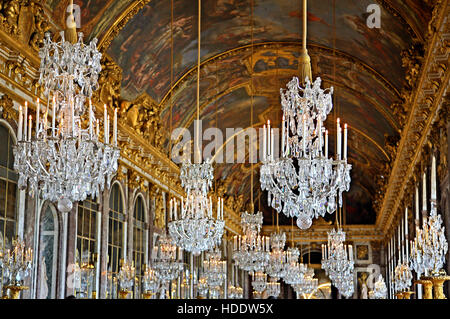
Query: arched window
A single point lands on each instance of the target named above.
(115, 229)
(139, 239)
(87, 228)
(87, 236)
(8, 188)
(48, 254)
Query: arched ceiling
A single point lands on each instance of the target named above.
(364, 67)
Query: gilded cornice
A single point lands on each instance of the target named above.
(120, 23)
(425, 103)
(318, 233)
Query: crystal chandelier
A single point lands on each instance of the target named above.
(337, 261)
(126, 276)
(276, 267)
(202, 287)
(194, 228)
(345, 284)
(259, 281)
(16, 264)
(83, 278)
(380, 290)
(251, 251)
(304, 183)
(308, 284)
(295, 271)
(166, 262)
(214, 269)
(150, 282)
(235, 292)
(430, 246)
(273, 288)
(65, 159)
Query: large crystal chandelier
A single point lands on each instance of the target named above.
(276, 267)
(214, 269)
(337, 261)
(251, 251)
(167, 259)
(65, 160)
(430, 245)
(194, 228)
(304, 182)
(380, 290)
(16, 263)
(259, 281)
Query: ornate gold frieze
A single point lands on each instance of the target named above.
(143, 115)
(109, 83)
(425, 101)
(24, 21)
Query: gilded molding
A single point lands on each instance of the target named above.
(425, 102)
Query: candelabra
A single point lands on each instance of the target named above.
(63, 160)
(276, 267)
(150, 282)
(380, 290)
(304, 183)
(167, 263)
(259, 281)
(194, 228)
(273, 288)
(402, 277)
(430, 246)
(126, 279)
(16, 266)
(251, 251)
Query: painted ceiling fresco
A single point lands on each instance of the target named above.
(363, 65)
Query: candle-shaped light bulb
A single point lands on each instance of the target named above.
(25, 124)
(19, 129)
(38, 108)
(54, 116)
(105, 122)
(433, 179)
(345, 141)
(338, 136)
(424, 192)
(115, 127)
(30, 124)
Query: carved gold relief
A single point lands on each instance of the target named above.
(24, 20)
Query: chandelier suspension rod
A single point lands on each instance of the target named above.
(304, 64)
(197, 159)
(171, 95)
(251, 104)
